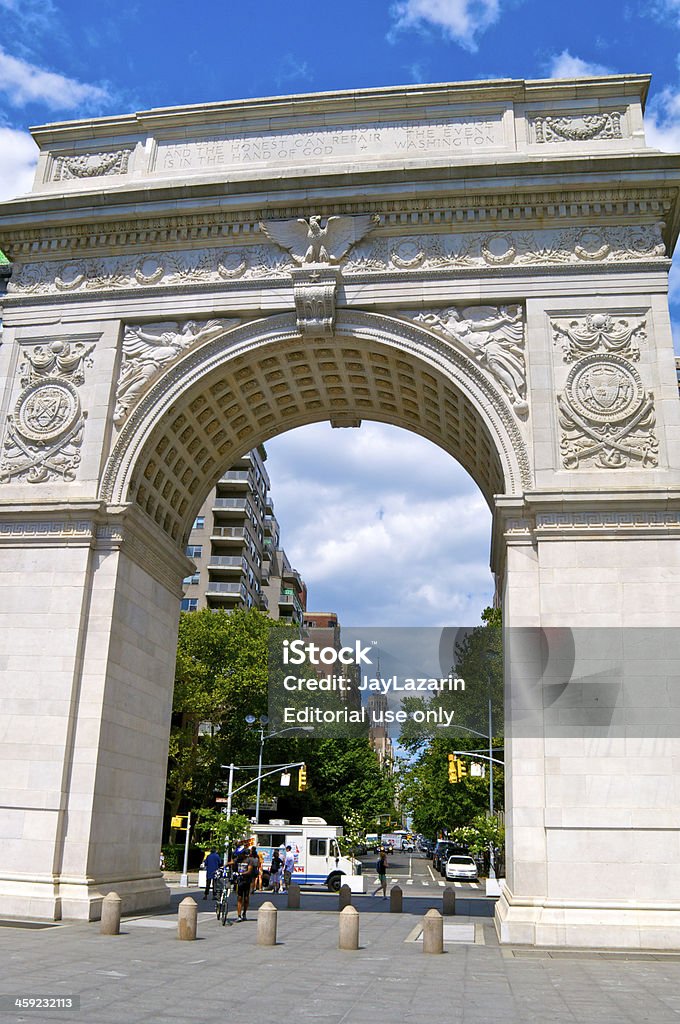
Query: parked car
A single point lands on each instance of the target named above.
(442, 848)
(461, 867)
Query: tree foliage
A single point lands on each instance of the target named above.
(434, 802)
(221, 676)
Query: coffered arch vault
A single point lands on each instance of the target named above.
(262, 378)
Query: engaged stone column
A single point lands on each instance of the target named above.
(348, 937)
(449, 902)
(344, 897)
(433, 932)
(110, 920)
(187, 919)
(396, 900)
(266, 925)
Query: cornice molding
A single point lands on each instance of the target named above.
(166, 230)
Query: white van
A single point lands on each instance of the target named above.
(314, 845)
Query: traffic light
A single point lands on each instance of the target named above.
(453, 768)
(302, 778)
(462, 769)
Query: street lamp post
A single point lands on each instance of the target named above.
(263, 719)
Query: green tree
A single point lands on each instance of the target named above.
(221, 675)
(427, 794)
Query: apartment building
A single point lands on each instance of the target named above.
(236, 548)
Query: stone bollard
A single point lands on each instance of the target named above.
(187, 919)
(449, 902)
(293, 896)
(110, 921)
(266, 925)
(349, 928)
(433, 932)
(344, 897)
(396, 900)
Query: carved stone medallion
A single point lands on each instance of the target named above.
(606, 417)
(46, 411)
(605, 389)
(45, 431)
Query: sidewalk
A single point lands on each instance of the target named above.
(146, 974)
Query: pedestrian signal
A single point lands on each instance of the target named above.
(302, 778)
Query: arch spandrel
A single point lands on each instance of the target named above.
(262, 378)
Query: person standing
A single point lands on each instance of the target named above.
(288, 868)
(275, 871)
(381, 868)
(246, 869)
(212, 863)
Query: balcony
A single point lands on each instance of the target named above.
(236, 476)
(239, 504)
(236, 589)
(231, 533)
(227, 562)
(264, 603)
(286, 600)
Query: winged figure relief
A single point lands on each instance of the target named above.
(308, 242)
(495, 336)
(148, 348)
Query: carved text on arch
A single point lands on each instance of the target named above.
(148, 348)
(494, 336)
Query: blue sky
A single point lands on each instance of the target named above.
(385, 528)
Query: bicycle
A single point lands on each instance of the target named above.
(221, 887)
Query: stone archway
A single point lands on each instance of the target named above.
(483, 264)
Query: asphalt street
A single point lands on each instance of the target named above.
(414, 873)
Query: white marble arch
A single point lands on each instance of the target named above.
(482, 263)
(500, 462)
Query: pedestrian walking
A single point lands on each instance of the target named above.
(288, 868)
(381, 869)
(212, 864)
(246, 871)
(275, 871)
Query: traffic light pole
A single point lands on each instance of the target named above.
(231, 792)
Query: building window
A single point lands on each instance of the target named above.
(188, 604)
(194, 578)
(199, 523)
(194, 550)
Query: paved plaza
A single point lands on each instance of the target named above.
(146, 974)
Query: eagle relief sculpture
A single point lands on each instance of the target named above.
(308, 242)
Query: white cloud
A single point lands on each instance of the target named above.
(662, 121)
(565, 65)
(462, 20)
(18, 155)
(385, 528)
(24, 83)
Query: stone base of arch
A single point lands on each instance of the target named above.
(593, 926)
(87, 647)
(78, 899)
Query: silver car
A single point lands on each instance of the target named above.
(461, 868)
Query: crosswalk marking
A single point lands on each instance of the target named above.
(442, 884)
(426, 883)
(409, 881)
